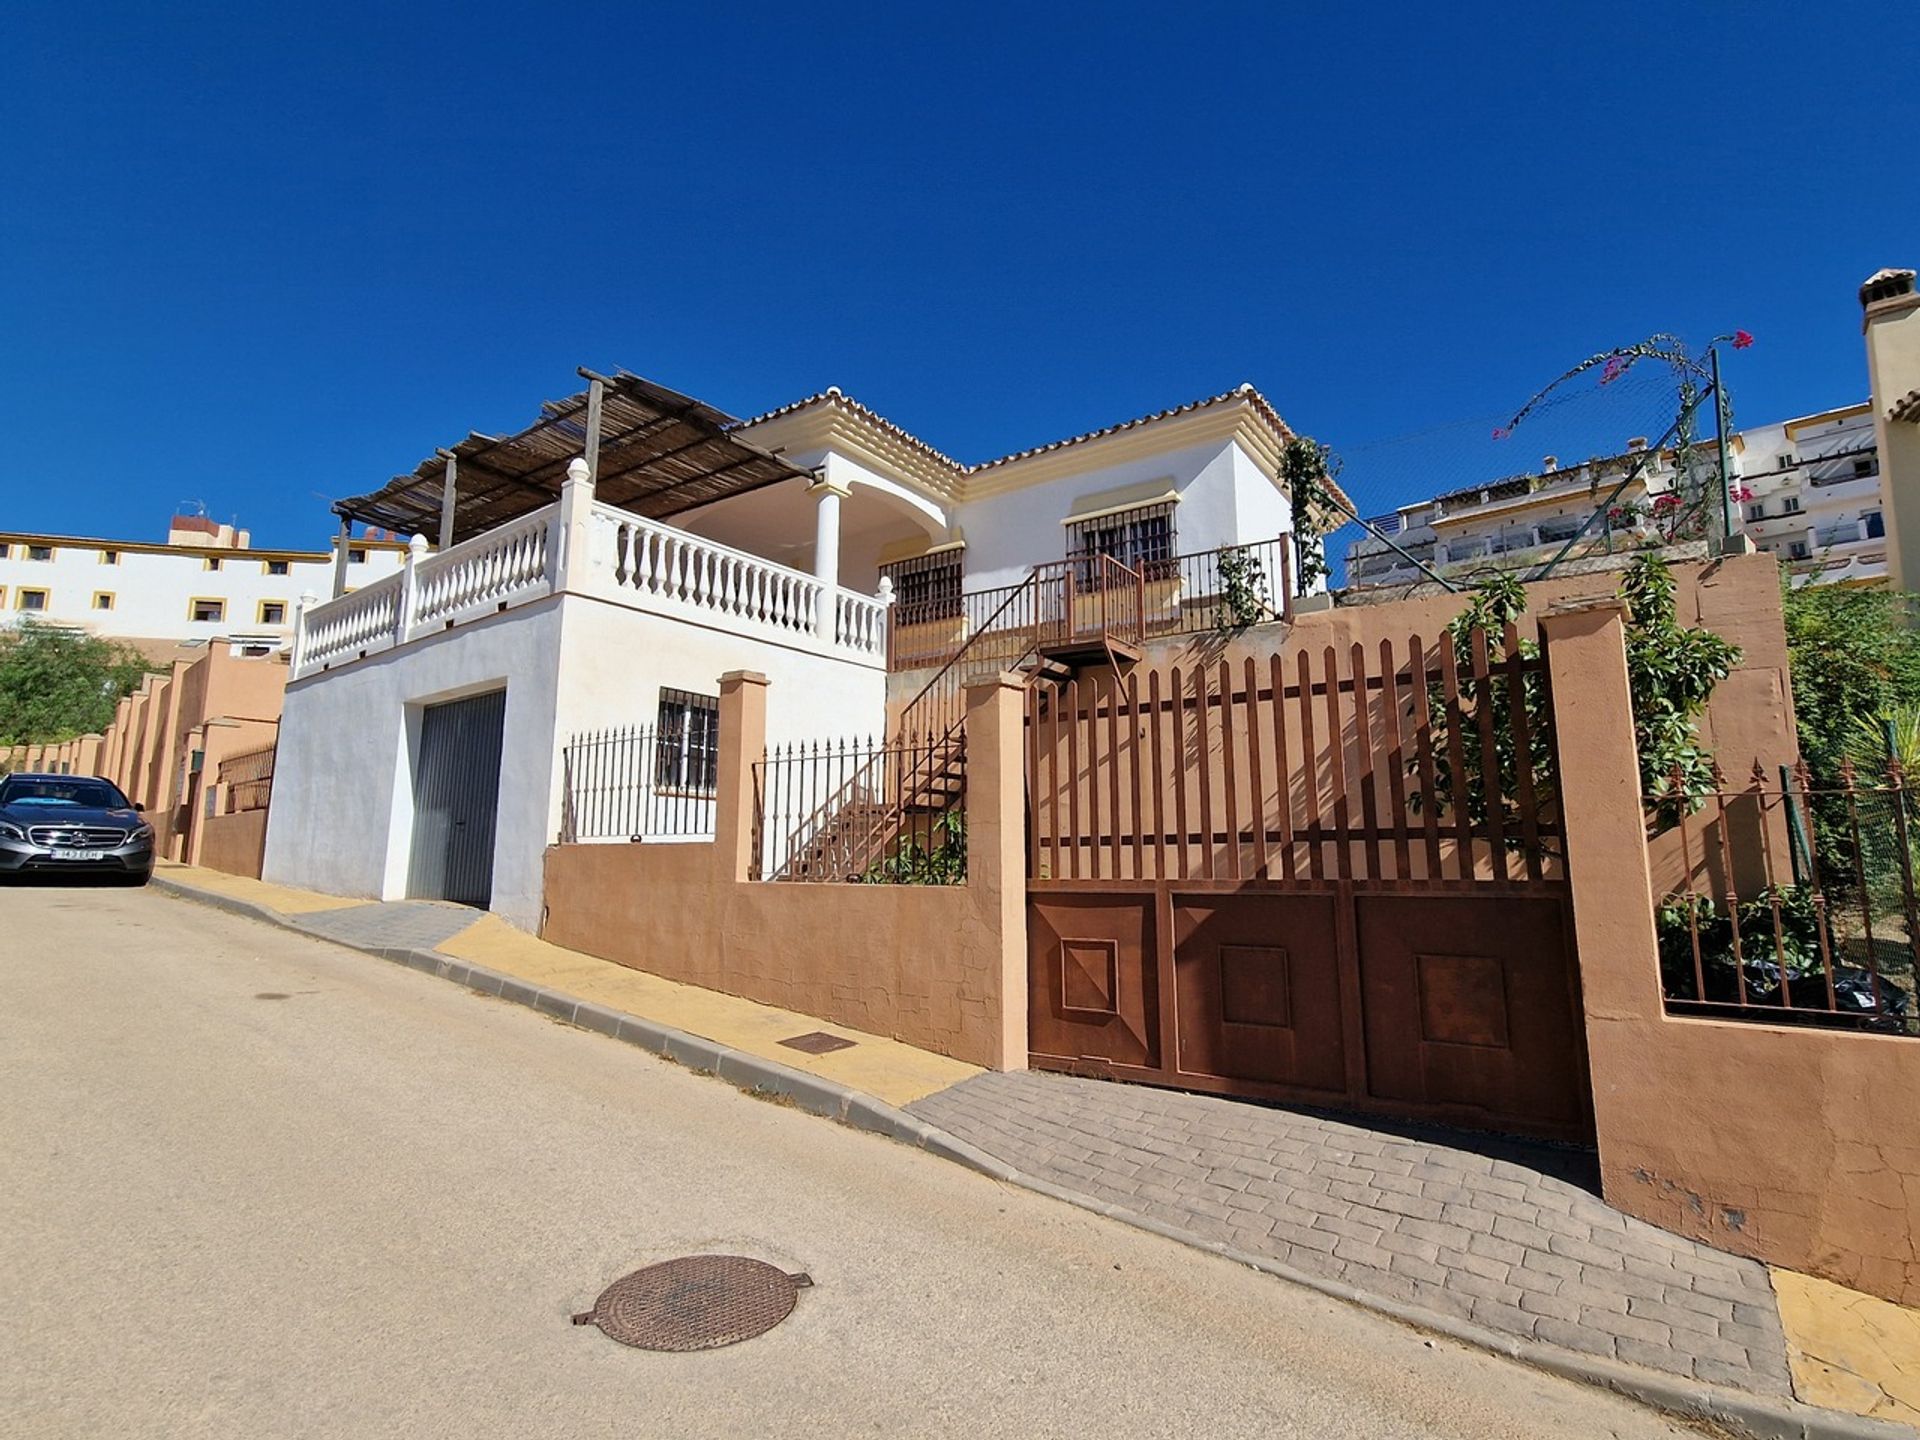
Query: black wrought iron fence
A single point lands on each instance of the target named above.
(634, 783)
(864, 810)
(1792, 902)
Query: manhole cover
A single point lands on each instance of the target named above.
(698, 1302)
(819, 1042)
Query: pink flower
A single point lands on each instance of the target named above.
(1615, 368)
(1665, 502)
(1500, 433)
(1742, 339)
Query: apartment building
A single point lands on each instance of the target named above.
(1812, 496)
(1807, 490)
(170, 598)
(1520, 519)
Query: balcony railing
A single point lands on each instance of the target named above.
(1230, 587)
(634, 563)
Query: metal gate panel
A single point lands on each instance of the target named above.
(1472, 1008)
(1257, 993)
(456, 795)
(1093, 978)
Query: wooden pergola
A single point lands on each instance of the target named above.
(650, 450)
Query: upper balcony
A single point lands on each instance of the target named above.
(581, 546)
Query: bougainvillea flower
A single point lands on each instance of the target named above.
(1616, 367)
(1499, 433)
(1742, 339)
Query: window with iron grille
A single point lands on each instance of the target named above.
(1141, 539)
(926, 587)
(687, 747)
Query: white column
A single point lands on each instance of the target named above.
(827, 495)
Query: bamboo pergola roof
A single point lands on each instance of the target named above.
(660, 453)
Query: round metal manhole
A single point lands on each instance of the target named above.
(698, 1302)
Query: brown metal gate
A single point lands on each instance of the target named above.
(1338, 883)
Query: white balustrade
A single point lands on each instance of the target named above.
(346, 627)
(628, 560)
(506, 565)
(656, 567)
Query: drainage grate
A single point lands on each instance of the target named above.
(698, 1302)
(818, 1042)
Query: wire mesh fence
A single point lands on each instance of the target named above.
(1615, 456)
(864, 810)
(638, 783)
(1788, 901)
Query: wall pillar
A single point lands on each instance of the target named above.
(1890, 320)
(1608, 872)
(743, 742)
(570, 556)
(996, 846)
(827, 495)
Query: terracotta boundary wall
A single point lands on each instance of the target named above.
(940, 967)
(219, 704)
(1792, 1145)
(234, 844)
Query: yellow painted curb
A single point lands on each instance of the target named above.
(886, 1069)
(1850, 1351)
(284, 898)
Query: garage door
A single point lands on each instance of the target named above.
(456, 797)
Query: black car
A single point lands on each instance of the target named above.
(72, 825)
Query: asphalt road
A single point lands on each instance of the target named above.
(255, 1185)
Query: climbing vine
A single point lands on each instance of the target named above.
(1308, 468)
(1244, 599)
(1672, 672)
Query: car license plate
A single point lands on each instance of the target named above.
(79, 854)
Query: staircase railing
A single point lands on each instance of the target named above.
(1003, 641)
(840, 811)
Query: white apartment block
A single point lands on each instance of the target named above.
(1812, 490)
(207, 580)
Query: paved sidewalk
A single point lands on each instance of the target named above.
(1419, 1221)
(1497, 1242)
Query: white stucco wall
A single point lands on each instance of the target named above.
(1224, 500)
(153, 590)
(342, 815)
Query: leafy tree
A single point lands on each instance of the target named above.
(1855, 657)
(57, 683)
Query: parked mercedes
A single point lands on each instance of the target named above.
(72, 824)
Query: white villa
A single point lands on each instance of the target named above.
(605, 567)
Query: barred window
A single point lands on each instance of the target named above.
(687, 742)
(1141, 539)
(926, 587)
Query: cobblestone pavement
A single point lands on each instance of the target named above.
(1503, 1244)
(391, 924)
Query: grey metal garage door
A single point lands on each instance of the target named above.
(456, 796)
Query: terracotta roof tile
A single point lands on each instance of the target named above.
(833, 395)
(1906, 408)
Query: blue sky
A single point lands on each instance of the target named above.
(267, 256)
